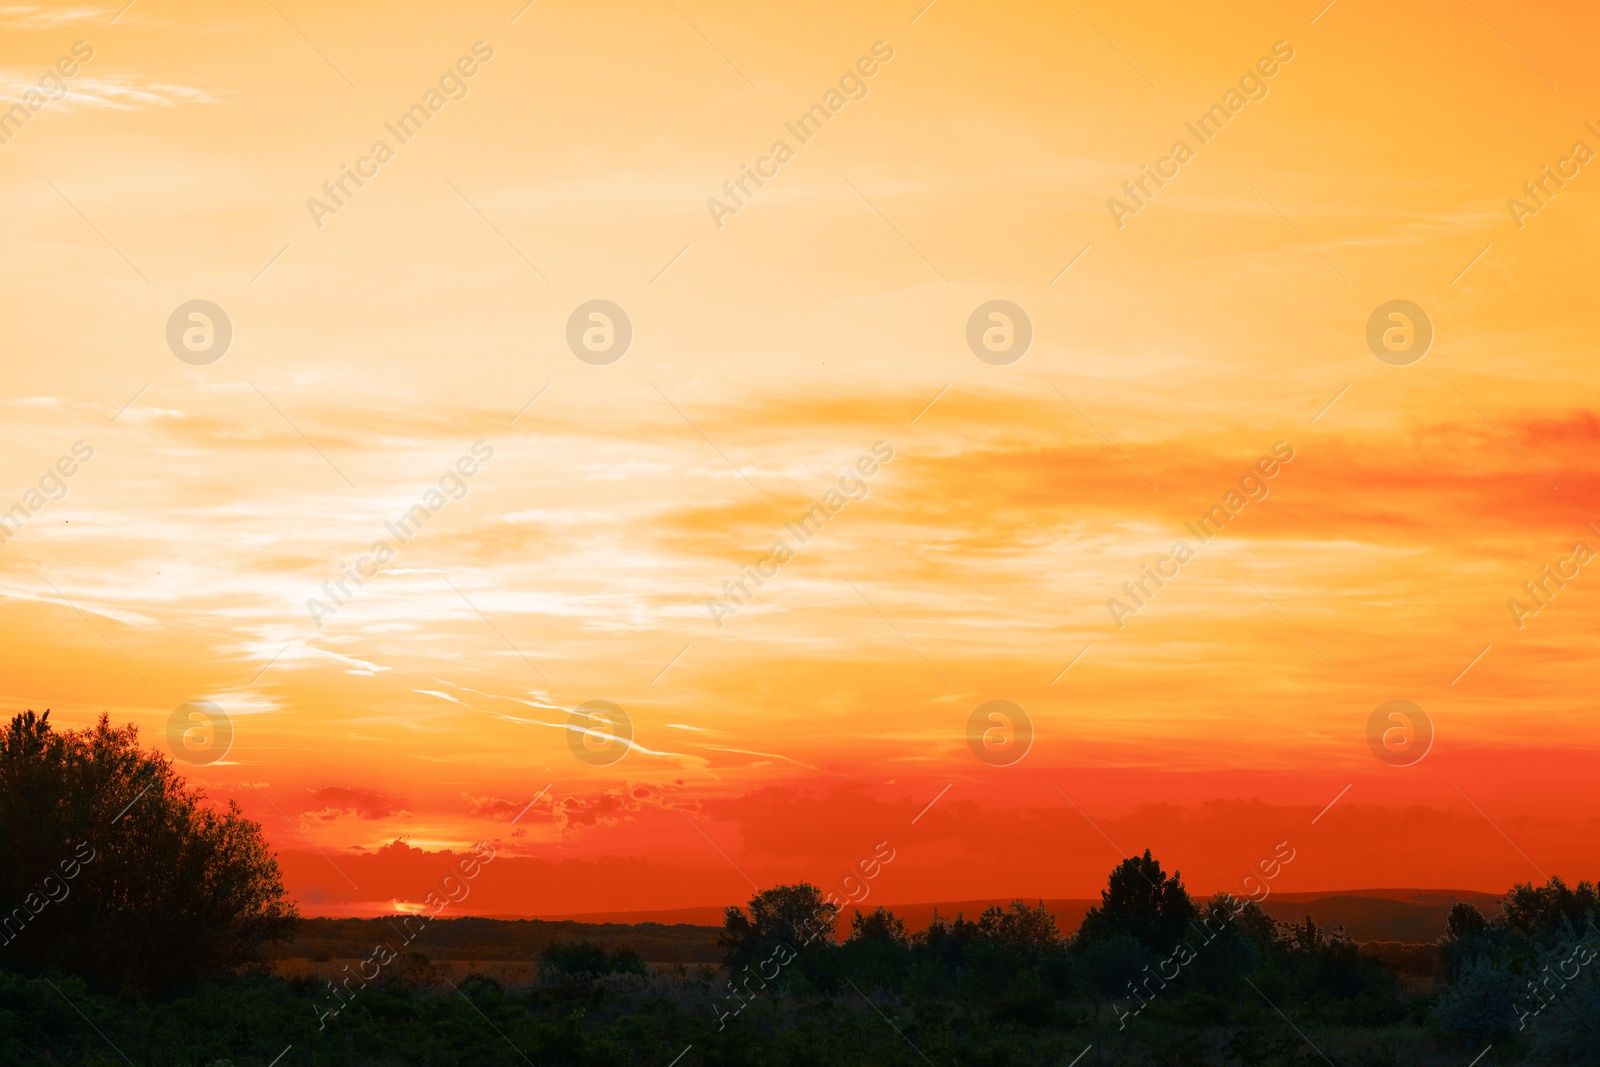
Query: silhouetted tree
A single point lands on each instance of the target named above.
(114, 870)
(797, 916)
(1142, 901)
(1235, 936)
(1031, 931)
(1478, 1004)
(879, 926)
(1108, 968)
(1539, 910)
(1308, 936)
(876, 954)
(1463, 921)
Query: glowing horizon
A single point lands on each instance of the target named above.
(644, 411)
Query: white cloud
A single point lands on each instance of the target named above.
(40, 17)
(112, 92)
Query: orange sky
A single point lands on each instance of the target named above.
(406, 325)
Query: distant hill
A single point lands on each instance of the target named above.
(1414, 916)
(473, 938)
(689, 935)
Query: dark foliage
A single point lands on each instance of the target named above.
(1149, 979)
(1529, 974)
(116, 872)
(796, 916)
(1144, 903)
(585, 959)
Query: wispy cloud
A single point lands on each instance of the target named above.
(40, 17)
(112, 92)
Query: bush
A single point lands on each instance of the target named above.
(1477, 1006)
(115, 871)
(1567, 1029)
(567, 960)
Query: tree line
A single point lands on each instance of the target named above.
(150, 912)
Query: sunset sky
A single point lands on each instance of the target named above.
(421, 319)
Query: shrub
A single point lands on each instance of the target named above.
(117, 872)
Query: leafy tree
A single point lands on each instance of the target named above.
(882, 925)
(1309, 937)
(1031, 931)
(115, 871)
(1558, 1005)
(1469, 935)
(1477, 1006)
(1464, 921)
(797, 916)
(1550, 908)
(876, 954)
(1238, 935)
(1142, 901)
(1108, 968)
